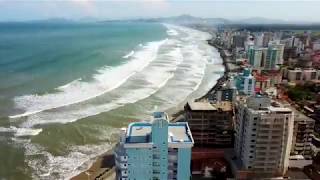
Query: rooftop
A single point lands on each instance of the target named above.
(298, 116)
(201, 106)
(141, 133)
(280, 109)
(206, 106)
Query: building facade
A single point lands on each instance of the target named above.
(211, 124)
(263, 136)
(280, 50)
(299, 75)
(271, 58)
(225, 92)
(239, 40)
(154, 151)
(245, 82)
(255, 57)
(302, 135)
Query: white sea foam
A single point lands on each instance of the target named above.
(77, 91)
(18, 132)
(49, 166)
(156, 76)
(172, 32)
(128, 55)
(189, 58)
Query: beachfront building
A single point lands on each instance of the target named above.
(211, 124)
(225, 92)
(156, 150)
(263, 136)
(245, 82)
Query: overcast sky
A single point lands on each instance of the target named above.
(13, 10)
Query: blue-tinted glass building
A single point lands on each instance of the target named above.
(156, 150)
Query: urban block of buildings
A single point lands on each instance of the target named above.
(271, 136)
(245, 125)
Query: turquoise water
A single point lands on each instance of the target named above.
(66, 89)
(55, 54)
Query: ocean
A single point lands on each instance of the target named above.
(66, 89)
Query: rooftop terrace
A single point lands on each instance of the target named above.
(141, 133)
(206, 106)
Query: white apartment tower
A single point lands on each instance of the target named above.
(263, 135)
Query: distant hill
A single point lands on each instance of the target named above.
(188, 19)
(184, 20)
(261, 20)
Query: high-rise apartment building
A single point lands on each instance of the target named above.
(211, 124)
(239, 40)
(258, 40)
(280, 50)
(271, 58)
(263, 135)
(255, 57)
(245, 82)
(267, 37)
(158, 150)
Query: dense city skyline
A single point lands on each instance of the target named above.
(292, 11)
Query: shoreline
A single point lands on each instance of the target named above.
(103, 166)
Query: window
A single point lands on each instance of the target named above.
(298, 75)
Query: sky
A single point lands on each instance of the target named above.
(25, 10)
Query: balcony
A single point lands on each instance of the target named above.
(123, 165)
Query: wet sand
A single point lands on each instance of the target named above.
(102, 168)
